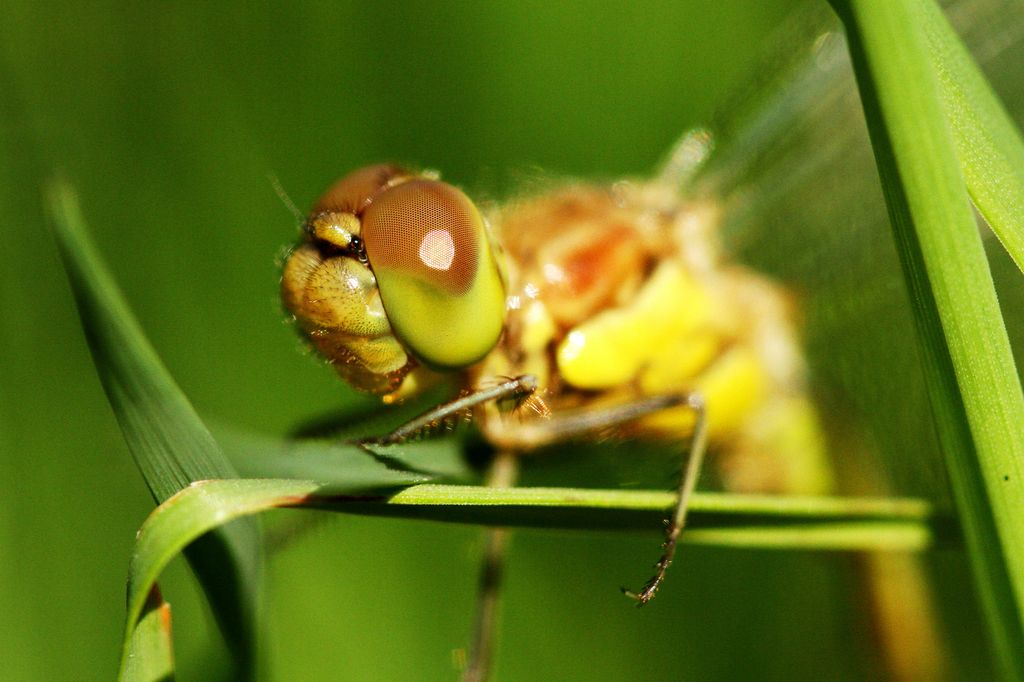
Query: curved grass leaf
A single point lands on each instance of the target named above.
(715, 518)
(972, 381)
(177, 522)
(168, 441)
(150, 651)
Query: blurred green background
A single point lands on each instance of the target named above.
(168, 120)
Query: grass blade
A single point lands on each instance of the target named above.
(988, 144)
(761, 521)
(181, 519)
(151, 653)
(168, 441)
(260, 456)
(972, 381)
(171, 445)
(715, 518)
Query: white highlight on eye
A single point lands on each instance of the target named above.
(437, 250)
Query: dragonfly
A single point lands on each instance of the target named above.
(581, 309)
(588, 306)
(592, 307)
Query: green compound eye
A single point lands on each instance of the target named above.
(437, 275)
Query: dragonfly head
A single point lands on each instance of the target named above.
(395, 271)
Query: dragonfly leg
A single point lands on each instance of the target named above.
(502, 474)
(571, 424)
(508, 388)
(687, 483)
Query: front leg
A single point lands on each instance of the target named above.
(518, 388)
(572, 424)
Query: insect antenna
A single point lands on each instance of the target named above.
(285, 199)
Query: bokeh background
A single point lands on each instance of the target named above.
(169, 120)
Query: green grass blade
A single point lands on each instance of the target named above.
(171, 445)
(715, 518)
(260, 456)
(169, 442)
(756, 521)
(972, 380)
(151, 653)
(183, 518)
(988, 144)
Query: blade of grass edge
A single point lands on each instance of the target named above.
(151, 651)
(972, 380)
(715, 518)
(988, 144)
(168, 441)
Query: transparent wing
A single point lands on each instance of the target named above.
(794, 176)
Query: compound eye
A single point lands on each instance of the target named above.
(439, 281)
(353, 193)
